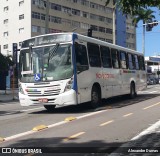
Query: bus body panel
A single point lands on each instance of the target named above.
(112, 81)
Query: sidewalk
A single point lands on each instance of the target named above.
(8, 95)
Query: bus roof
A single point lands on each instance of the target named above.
(88, 39)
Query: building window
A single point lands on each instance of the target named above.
(109, 31)
(21, 3)
(108, 20)
(5, 34)
(85, 2)
(55, 19)
(66, 22)
(85, 14)
(101, 18)
(55, 7)
(66, 10)
(36, 15)
(84, 26)
(5, 21)
(76, 12)
(6, 9)
(75, 24)
(109, 10)
(21, 17)
(36, 29)
(75, 1)
(5, 46)
(93, 16)
(43, 17)
(21, 30)
(94, 27)
(101, 29)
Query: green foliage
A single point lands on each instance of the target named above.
(146, 15)
(137, 8)
(5, 62)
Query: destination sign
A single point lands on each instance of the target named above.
(44, 40)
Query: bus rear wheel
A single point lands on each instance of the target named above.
(50, 108)
(95, 97)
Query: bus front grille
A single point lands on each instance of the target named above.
(43, 91)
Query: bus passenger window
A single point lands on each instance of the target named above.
(123, 60)
(115, 58)
(81, 57)
(130, 61)
(94, 55)
(106, 57)
(136, 62)
(141, 63)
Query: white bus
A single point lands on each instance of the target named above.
(68, 69)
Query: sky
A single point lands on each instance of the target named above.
(152, 38)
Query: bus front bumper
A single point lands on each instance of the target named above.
(63, 99)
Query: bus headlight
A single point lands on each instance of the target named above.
(21, 89)
(69, 85)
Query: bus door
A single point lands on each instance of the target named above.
(82, 66)
(116, 77)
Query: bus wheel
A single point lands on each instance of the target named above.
(95, 97)
(50, 108)
(132, 91)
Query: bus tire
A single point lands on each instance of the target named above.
(132, 91)
(95, 96)
(50, 108)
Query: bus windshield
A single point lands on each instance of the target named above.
(50, 63)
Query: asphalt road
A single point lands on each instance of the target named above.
(113, 124)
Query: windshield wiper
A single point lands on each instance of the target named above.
(52, 52)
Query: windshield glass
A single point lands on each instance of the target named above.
(49, 63)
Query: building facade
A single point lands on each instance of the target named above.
(22, 19)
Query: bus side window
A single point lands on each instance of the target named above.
(106, 57)
(133, 60)
(136, 62)
(141, 63)
(81, 57)
(94, 55)
(130, 61)
(123, 60)
(115, 58)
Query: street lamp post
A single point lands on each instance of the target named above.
(143, 39)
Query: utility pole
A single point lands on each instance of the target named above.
(47, 17)
(114, 27)
(143, 39)
(147, 27)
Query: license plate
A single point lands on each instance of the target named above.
(43, 100)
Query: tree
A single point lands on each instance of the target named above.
(5, 62)
(146, 15)
(133, 7)
(138, 9)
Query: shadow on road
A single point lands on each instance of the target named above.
(110, 103)
(148, 145)
(4, 113)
